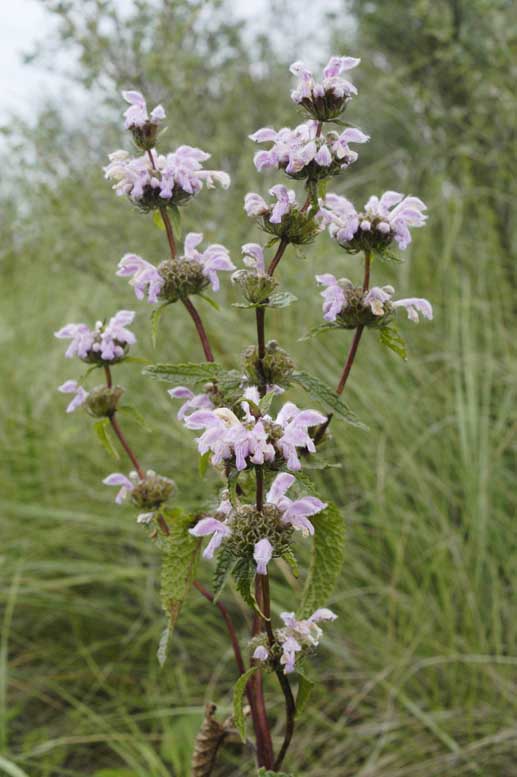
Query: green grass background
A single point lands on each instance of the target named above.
(417, 678)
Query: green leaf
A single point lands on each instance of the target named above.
(319, 390)
(238, 698)
(226, 563)
(316, 331)
(328, 552)
(281, 299)
(11, 769)
(136, 415)
(155, 320)
(204, 461)
(101, 428)
(176, 221)
(158, 221)
(189, 372)
(244, 576)
(305, 687)
(136, 360)
(266, 401)
(271, 242)
(115, 773)
(88, 372)
(389, 337)
(262, 772)
(290, 558)
(180, 553)
(210, 301)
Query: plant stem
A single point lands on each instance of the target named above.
(196, 318)
(118, 431)
(260, 488)
(276, 259)
(358, 332)
(165, 217)
(265, 755)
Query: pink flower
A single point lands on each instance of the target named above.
(262, 555)
(213, 260)
(107, 341)
(214, 527)
(299, 634)
(72, 387)
(126, 484)
(145, 277)
(193, 401)
(255, 205)
(295, 424)
(136, 115)
(334, 296)
(254, 257)
(295, 512)
(260, 653)
(308, 89)
(414, 306)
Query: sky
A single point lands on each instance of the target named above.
(23, 22)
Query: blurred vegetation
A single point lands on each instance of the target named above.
(418, 674)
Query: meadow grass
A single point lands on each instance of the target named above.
(417, 676)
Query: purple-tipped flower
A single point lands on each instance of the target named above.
(383, 220)
(326, 100)
(262, 555)
(136, 115)
(145, 277)
(255, 205)
(192, 402)
(72, 387)
(295, 424)
(213, 527)
(105, 343)
(302, 151)
(253, 254)
(294, 512)
(170, 179)
(354, 306)
(252, 440)
(300, 634)
(213, 260)
(126, 484)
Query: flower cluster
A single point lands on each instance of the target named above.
(254, 439)
(284, 218)
(382, 221)
(326, 100)
(149, 492)
(353, 306)
(279, 508)
(296, 638)
(105, 343)
(174, 279)
(157, 180)
(100, 402)
(305, 152)
(136, 115)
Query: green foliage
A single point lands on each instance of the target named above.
(328, 552)
(225, 564)
(278, 299)
(317, 389)
(188, 373)
(262, 772)
(305, 688)
(180, 552)
(135, 414)
(102, 430)
(239, 690)
(390, 337)
(155, 320)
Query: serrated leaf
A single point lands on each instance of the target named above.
(189, 372)
(210, 301)
(319, 390)
(390, 337)
(180, 553)
(158, 221)
(305, 687)
(238, 697)
(244, 575)
(204, 461)
(136, 415)
(155, 320)
(176, 221)
(327, 556)
(290, 559)
(226, 562)
(101, 428)
(281, 299)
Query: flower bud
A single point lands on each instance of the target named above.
(297, 227)
(256, 288)
(102, 401)
(152, 491)
(275, 368)
(181, 278)
(248, 526)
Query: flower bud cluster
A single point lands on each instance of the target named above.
(275, 369)
(327, 100)
(143, 127)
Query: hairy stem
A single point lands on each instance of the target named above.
(279, 254)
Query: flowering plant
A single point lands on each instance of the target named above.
(259, 454)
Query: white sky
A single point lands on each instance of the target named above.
(22, 22)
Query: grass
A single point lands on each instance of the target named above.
(417, 677)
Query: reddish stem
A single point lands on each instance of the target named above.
(196, 318)
(118, 431)
(350, 360)
(165, 217)
(276, 259)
